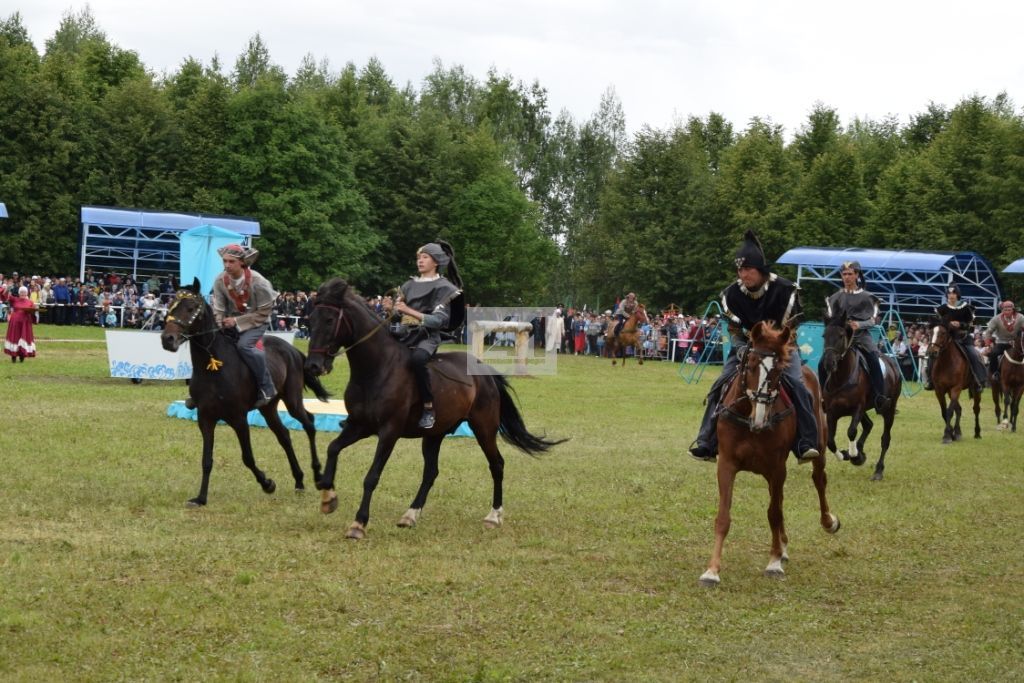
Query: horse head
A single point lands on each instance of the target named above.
(641, 314)
(764, 360)
(327, 333)
(941, 336)
(838, 336)
(188, 316)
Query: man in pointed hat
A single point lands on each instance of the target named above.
(243, 301)
(861, 311)
(759, 295)
(959, 316)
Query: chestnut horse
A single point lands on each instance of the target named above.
(629, 335)
(951, 374)
(1011, 382)
(846, 392)
(224, 388)
(756, 431)
(382, 400)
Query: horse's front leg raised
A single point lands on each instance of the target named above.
(726, 480)
(385, 444)
(350, 433)
(206, 428)
(866, 425)
(776, 522)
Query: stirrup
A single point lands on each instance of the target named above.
(807, 455)
(702, 452)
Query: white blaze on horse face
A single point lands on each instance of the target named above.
(761, 408)
(935, 335)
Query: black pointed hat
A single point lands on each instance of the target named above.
(750, 254)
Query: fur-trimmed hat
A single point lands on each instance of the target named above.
(851, 265)
(750, 254)
(246, 255)
(953, 289)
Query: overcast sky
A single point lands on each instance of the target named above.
(667, 60)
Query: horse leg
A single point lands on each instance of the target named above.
(851, 436)
(293, 402)
(385, 444)
(776, 482)
(350, 433)
(977, 414)
(488, 440)
(887, 420)
(273, 420)
(947, 434)
(866, 425)
(957, 409)
(206, 428)
(829, 522)
(1015, 406)
(431, 449)
(997, 399)
(241, 427)
(833, 420)
(726, 479)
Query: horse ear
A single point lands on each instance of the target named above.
(756, 332)
(196, 287)
(786, 335)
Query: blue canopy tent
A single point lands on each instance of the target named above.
(3, 210)
(910, 283)
(140, 243)
(1015, 267)
(199, 257)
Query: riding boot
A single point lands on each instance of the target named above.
(420, 358)
(806, 423)
(705, 446)
(927, 379)
(882, 401)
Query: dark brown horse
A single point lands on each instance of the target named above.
(224, 388)
(846, 392)
(1011, 383)
(951, 374)
(382, 400)
(615, 344)
(755, 434)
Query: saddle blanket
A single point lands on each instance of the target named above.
(327, 417)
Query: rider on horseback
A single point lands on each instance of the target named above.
(242, 303)
(861, 309)
(427, 305)
(959, 315)
(758, 295)
(1002, 327)
(626, 308)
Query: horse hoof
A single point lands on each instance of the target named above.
(877, 476)
(409, 519)
(195, 503)
(356, 532)
(946, 441)
(775, 573)
(328, 502)
(493, 519)
(859, 460)
(300, 489)
(834, 524)
(843, 455)
(269, 486)
(709, 579)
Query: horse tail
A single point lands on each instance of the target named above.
(511, 425)
(313, 382)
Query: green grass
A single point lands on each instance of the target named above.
(107, 576)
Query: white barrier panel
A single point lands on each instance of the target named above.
(139, 355)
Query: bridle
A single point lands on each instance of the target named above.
(184, 325)
(336, 332)
(762, 398)
(1017, 344)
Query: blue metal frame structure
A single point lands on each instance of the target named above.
(912, 283)
(139, 242)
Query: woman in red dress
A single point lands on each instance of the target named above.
(20, 342)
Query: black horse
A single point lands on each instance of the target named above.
(846, 392)
(382, 399)
(224, 388)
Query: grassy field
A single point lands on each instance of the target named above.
(107, 576)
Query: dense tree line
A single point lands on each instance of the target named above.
(348, 172)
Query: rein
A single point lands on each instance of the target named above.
(337, 330)
(214, 363)
(840, 355)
